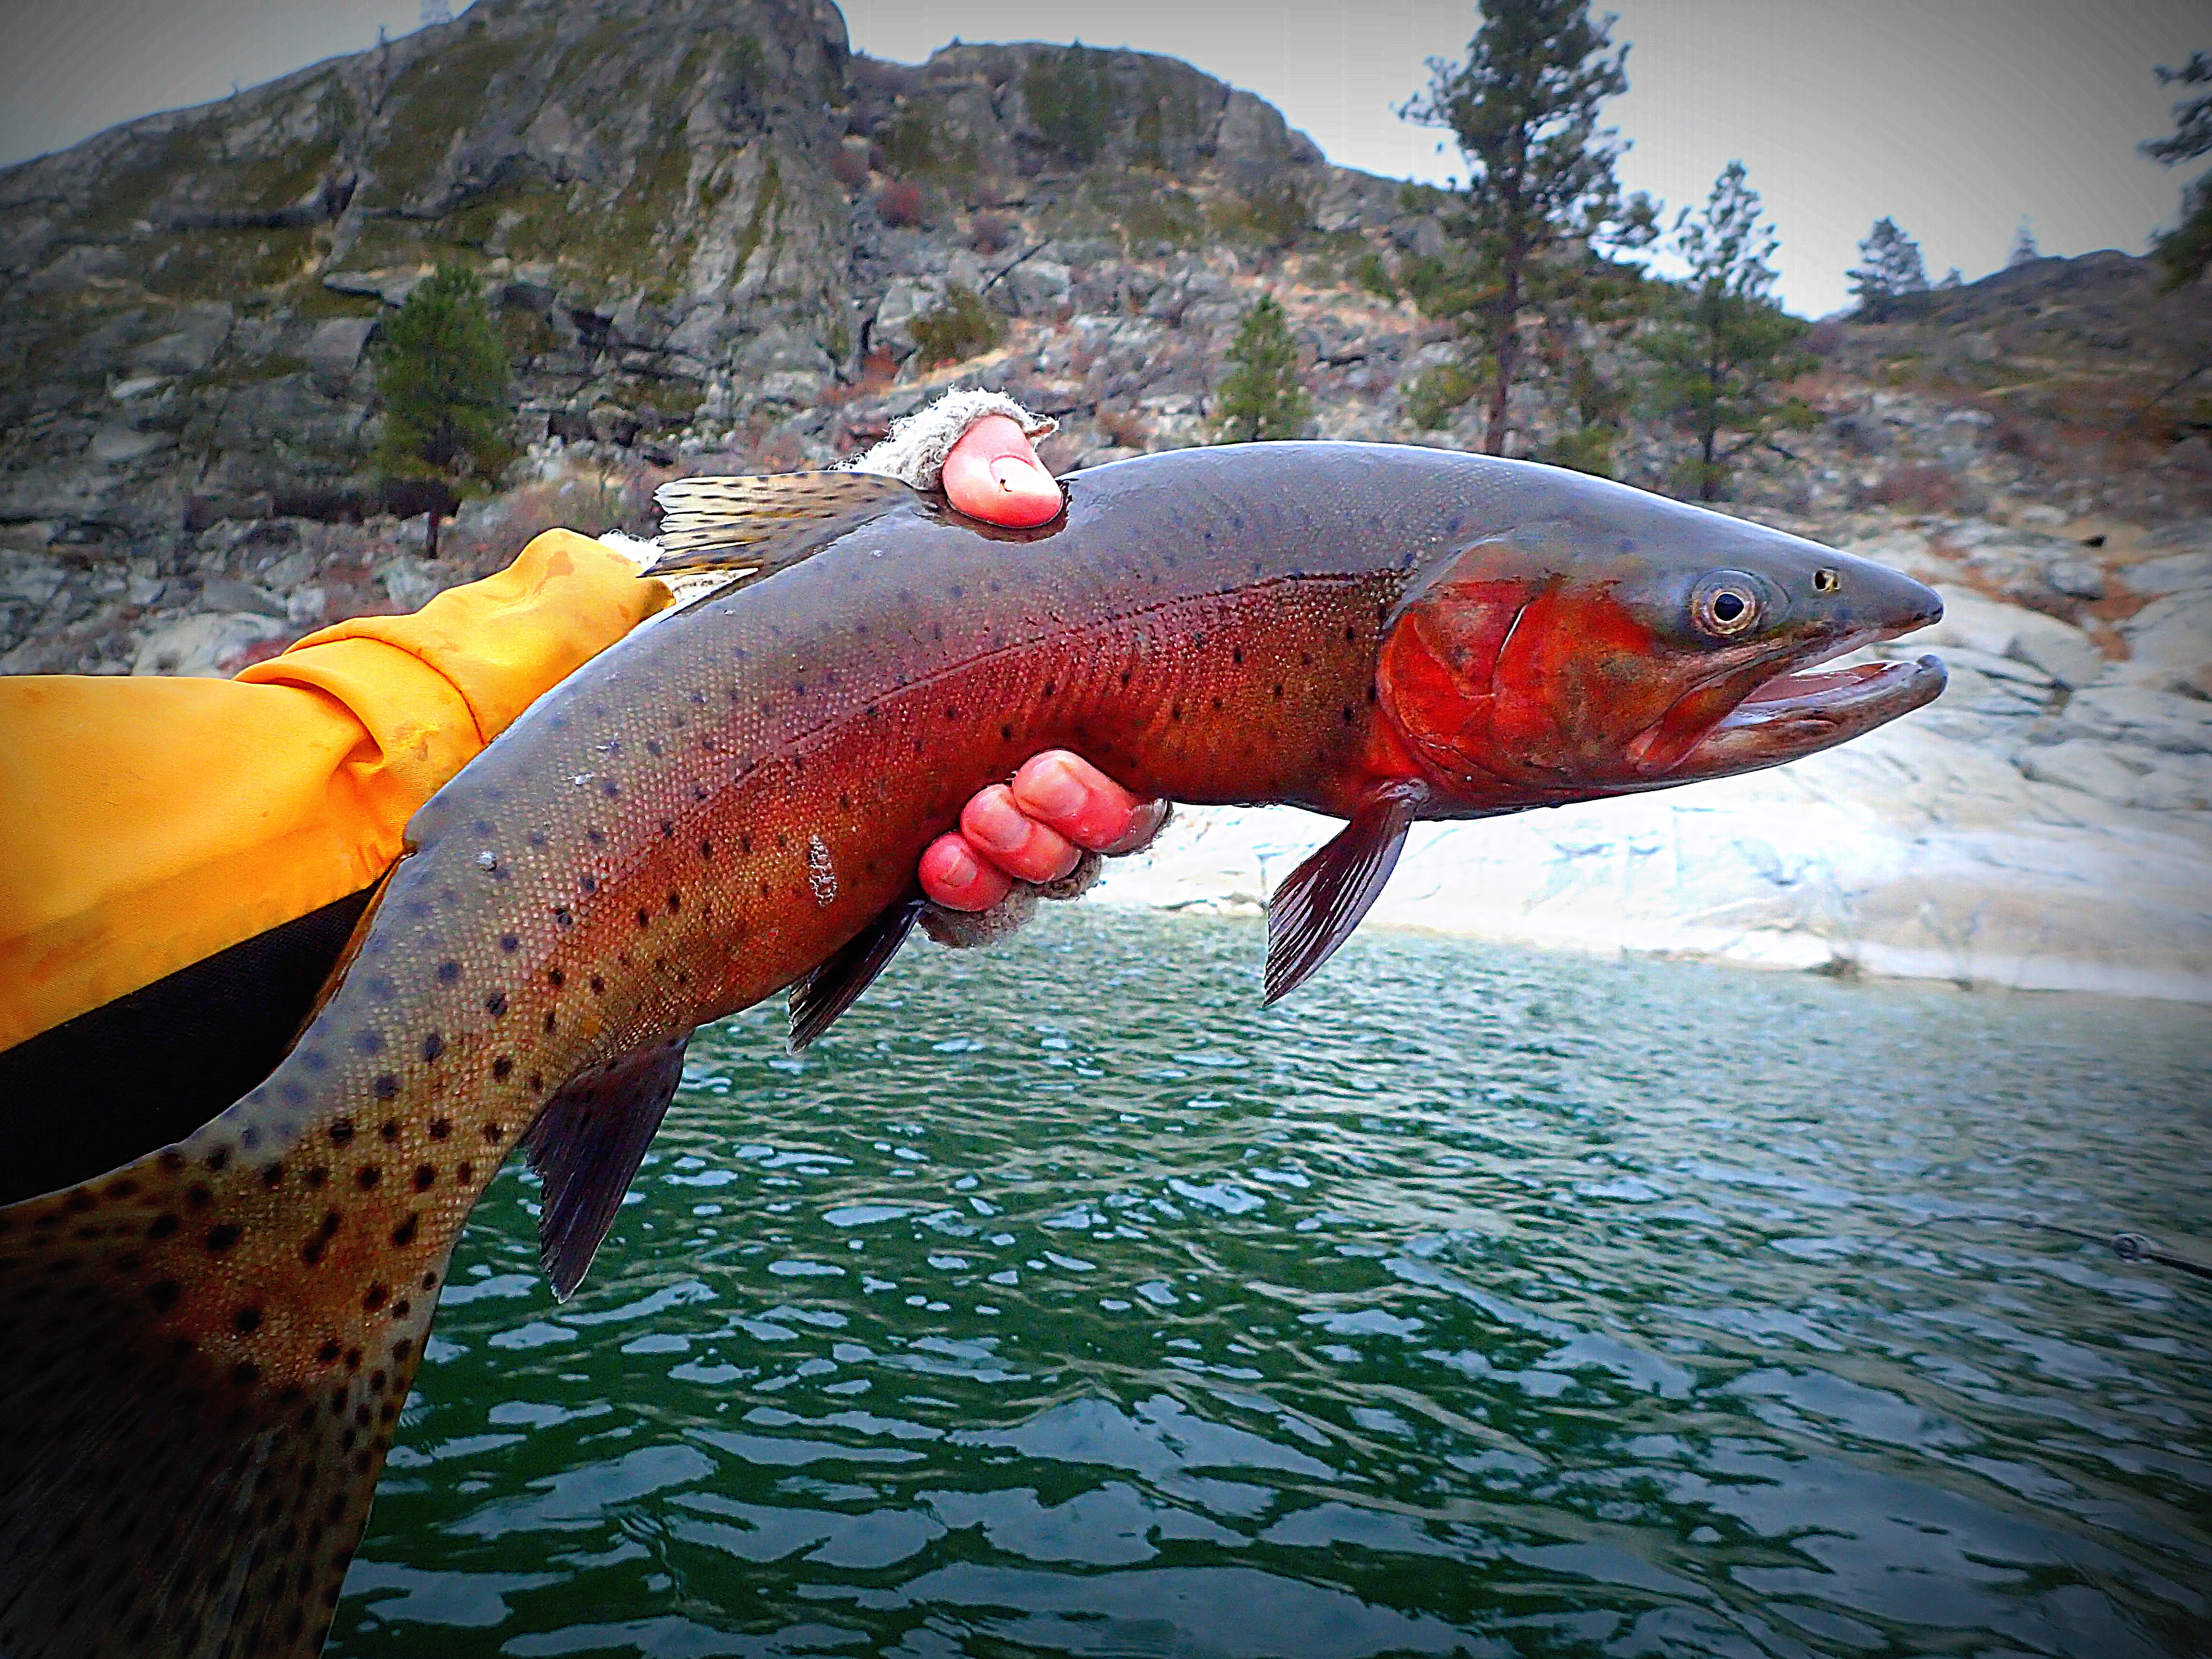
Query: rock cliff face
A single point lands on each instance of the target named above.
(714, 240)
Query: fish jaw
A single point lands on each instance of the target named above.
(1795, 713)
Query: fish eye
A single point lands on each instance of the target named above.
(1826, 582)
(1726, 605)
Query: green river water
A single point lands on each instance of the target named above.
(1474, 1301)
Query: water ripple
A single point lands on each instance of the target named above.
(1477, 1302)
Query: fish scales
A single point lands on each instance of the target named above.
(693, 821)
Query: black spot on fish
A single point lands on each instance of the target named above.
(675, 901)
(221, 1237)
(440, 1127)
(492, 1132)
(402, 1308)
(537, 839)
(652, 747)
(246, 1373)
(597, 837)
(389, 1129)
(598, 986)
(375, 1296)
(245, 1319)
(588, 884)
(561, 917)
(368, 1175)
(368, 1041)
(549, 1022)
(501, 1068)
(317, 1175)
(644, 917)
(426, 1176)
(555, 978)
(161, 1226)
(272, 1176)
(403, 1233)
(464, 1172)
(217, 1159)
(448, 972)
(706, 850)
(496, 1004)
(433, 1046)
(198, 1197)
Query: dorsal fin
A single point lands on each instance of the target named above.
(750, 527)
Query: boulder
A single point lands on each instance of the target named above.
(2061, 650)
(204, 645)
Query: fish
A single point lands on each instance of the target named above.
(208, 1346)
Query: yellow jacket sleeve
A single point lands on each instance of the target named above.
(146, 823)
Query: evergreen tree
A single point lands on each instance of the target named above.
(1889, 267)
(2024, 250)
(2185, 252)
(1728, 346)
(1261, 397)
(1541, 200)
(443, 374)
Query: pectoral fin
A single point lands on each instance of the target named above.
(586, 1143)
(835, 986)
(751, 528)
(1321, 902)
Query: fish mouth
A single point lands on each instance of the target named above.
(1786, 712)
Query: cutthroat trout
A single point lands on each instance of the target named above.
(207, 1348)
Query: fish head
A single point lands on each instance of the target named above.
(1622, 641)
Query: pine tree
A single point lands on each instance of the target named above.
(1261, 397)
(2184, 252)
(443, 374)
(1728, 346)
(1541, 199)
(1889, 267)
(2024, 250)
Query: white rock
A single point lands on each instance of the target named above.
(2140, 714)
(902, 302)
(334, 347)
(116, 446)
(1038, 286)
(2177, 573)
(2059, 649)
(1905, 852)
(2169, 644)
(199, 645)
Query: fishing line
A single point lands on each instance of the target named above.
(2130, 1247)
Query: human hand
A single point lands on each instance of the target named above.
(1035, 830)
(993, 474)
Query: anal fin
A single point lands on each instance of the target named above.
(587, 1143)
(835, 986)
(1321, 902)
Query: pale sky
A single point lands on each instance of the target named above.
(1956, 117)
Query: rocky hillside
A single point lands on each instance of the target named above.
(712, 237)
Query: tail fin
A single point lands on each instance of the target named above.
(190, 1427)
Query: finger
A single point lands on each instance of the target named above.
(993, 474)
(1002, 834)
(1073, 797)
(953, 876)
